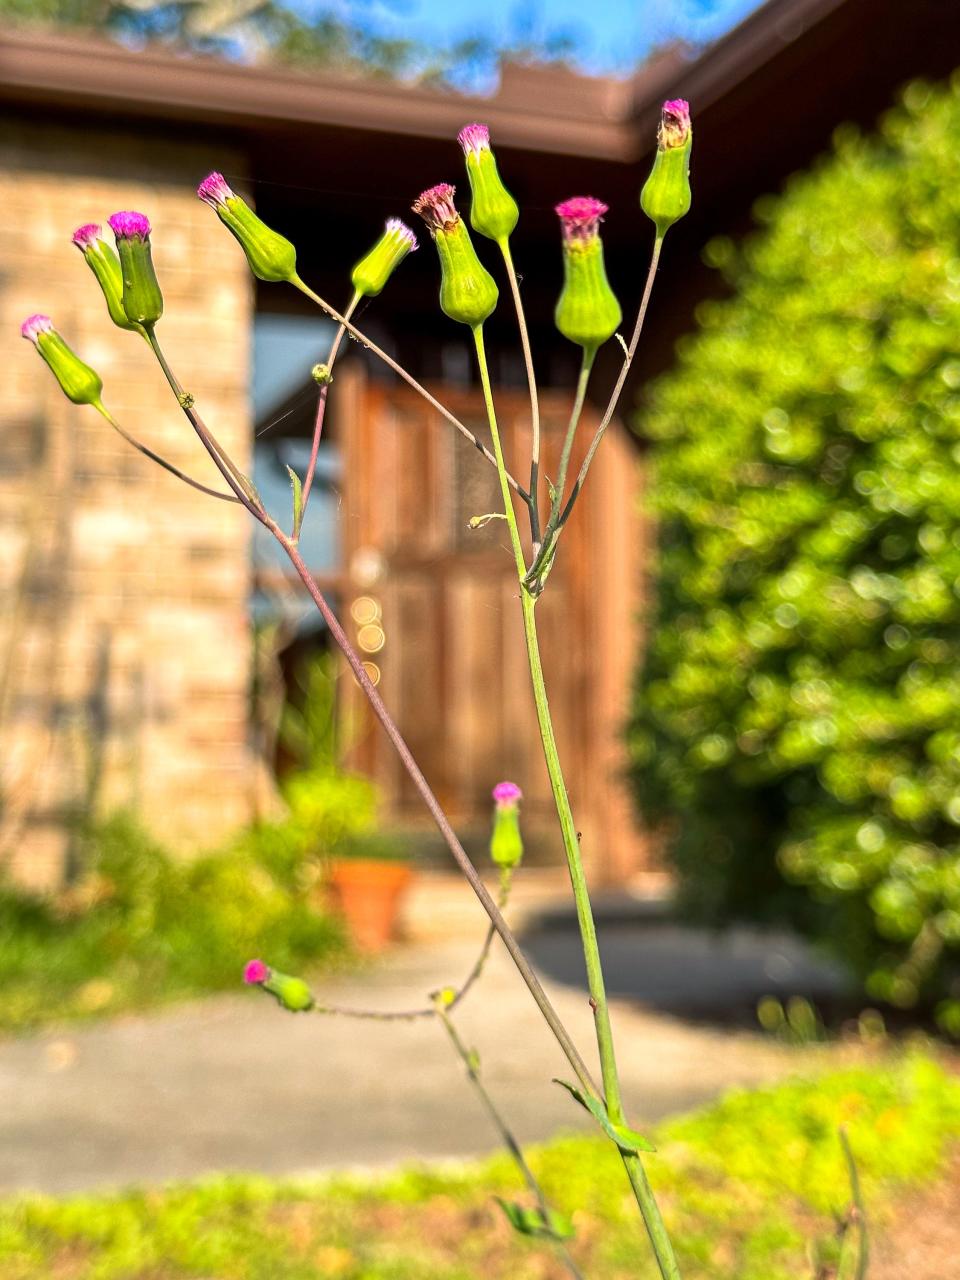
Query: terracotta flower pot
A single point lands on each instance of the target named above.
(368, 893)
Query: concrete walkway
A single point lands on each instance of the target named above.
(234, 1083)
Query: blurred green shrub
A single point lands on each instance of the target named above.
(796, 729)
(140, 927)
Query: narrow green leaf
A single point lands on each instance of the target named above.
(530, 1222)
(627, 1139)
(297, 488)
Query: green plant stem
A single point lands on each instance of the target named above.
(588, 933)
(161, 462)
(321, 408)
(534, 503)
(408, 378)
(234, 477)
(469, 1061)
(618, 385)
(856, 1218)
(589, 355)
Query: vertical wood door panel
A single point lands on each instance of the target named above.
(452, 667)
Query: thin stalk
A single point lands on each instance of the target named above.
(410, 1015)
(856, 1217)
(235, 478)
(588, 933)
(618, 385)
(161, 462)
(469, 1061)
(411, 381)
(534, 503)
(589, 355)
(321, 408)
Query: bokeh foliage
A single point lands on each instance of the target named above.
(797, 721)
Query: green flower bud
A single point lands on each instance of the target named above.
(493, 210)
(374, 270)
(292, 993)
(105, 265)
(506, 844)
(587, 311)
(665, 197)
(269, 254)
(142, 299)
(78, 381)
(468, 292)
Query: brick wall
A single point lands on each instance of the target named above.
(124, 639)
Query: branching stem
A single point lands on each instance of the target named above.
(321, 408)
(534, 503)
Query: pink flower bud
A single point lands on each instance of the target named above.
(580, 217)
(214, 190)
(128, 225)
(435, 206)
(33, 326)
(674, 124)
(475, 138)
(506, 793)
(86, 237)
(255, 973)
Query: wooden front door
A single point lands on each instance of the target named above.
(435, 605)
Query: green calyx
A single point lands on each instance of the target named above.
(292, 993)
(270, 255)
(374, 269)
(493, 211)
(78, 381)
(105, 265)
(587, 311)
(468, 292)
(506, 843)
(665, 197)
(141, 297)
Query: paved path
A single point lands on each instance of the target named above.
(235, 1084)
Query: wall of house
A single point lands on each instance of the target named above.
(124, 635)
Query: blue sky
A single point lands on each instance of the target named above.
(614, 37)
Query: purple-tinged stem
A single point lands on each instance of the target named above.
(322, 406)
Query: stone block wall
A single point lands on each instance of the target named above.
(124, 630)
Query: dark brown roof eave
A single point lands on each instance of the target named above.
(539, 109)
(41, 66)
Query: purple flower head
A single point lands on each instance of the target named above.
(33, 326)
(255, 972)
(435, 206)
(580, 217)
(128, 225)
(214, 191)
(506, 794)
(86, 237)
(474, 137)
(674, 124)
(397, 228)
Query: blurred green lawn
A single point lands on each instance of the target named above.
(750, 1187)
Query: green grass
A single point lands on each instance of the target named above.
(139, 927)
(747, 1185)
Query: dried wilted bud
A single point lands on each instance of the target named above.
(105, 265)
(270, 256)
(587, 311)
(78, 381)
(376, 267)
(506, 845)
(468, 292)
(665, 197)
(493, 210)
(141, 296)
